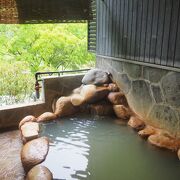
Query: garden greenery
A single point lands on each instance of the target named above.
(26, 49)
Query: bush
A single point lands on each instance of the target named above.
(15, 79)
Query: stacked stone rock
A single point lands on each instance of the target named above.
(35, 149)
(97, 95)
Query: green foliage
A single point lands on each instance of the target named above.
(32, 48)
(15, 80)
(59, 46)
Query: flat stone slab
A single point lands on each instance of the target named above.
(29, 118)
(39, 172)
(34, 152)
(10, 162)
(29, 131)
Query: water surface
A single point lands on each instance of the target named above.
(96, 148)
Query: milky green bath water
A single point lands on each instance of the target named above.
(96, 148)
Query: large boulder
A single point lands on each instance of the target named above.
(77, 99)
(164, 141)
(29, 131)
(47, 116)
(96, 77)
(89, 94)
(77, 90)
(39, 172)
(64, 107)
(92, 93)
(29, 118)
(122, 112)
(136, 123)
(118, 98)
(34, 152)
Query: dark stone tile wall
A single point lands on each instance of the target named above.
(153, 93)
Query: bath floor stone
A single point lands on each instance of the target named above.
(10, 162)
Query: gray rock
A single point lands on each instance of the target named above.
(165, 117)
(171, 89)
(118, 66)
(153, 74)
(96, 77)
(133, 70)
(157, 93)
(140, 97)
(123, 82)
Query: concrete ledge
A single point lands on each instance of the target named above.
(52, 88)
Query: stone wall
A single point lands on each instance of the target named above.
(53, 87)
(152, 92)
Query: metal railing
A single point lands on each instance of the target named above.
(38, 77)
(32, 96)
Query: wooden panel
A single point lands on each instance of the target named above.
(140, 30)
(92, 28)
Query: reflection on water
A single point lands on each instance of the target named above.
(69, 148)
(96, 148)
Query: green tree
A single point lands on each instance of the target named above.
(26, 49)
(59, 46)
(15, 79)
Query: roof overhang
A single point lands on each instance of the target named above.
(44, 11)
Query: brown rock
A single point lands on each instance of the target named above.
(47, 116)
(54, 103)
(165, 133)
(64, 107)
(77, 90)
(93, 94)
(136, 123)
(39, 172)
(77, 99)
(102, 109)
(147, 131)
(34, 152)
(29, 131)
(178, 153)
(164, 141)
(113, 87)
(122, 112)
(118, 98)
(29, 118)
